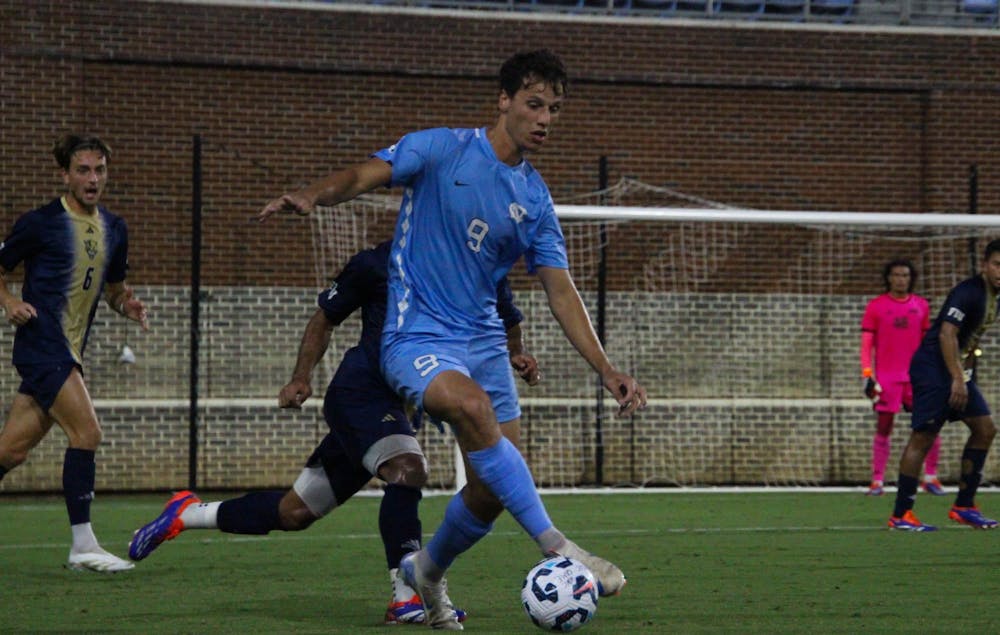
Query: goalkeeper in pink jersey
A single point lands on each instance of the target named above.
(891, 329)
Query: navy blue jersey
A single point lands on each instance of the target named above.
(363, 284)
(67, 259)
(972, 307)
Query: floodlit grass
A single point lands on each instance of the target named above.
(801, 562)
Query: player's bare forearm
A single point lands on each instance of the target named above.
(315, 341)
(515, 340)
(312, 348)
(948, 339)
(114, 297)
(17, 310)
(122, 301)
(523, 362)
(6, 297)
(568, 309)
(949, 349)
(339, 187)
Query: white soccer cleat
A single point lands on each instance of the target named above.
(610, 578)
(100, 561)
(439, 613)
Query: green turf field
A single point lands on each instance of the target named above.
(803, 562)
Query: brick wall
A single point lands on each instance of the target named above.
(780, 117)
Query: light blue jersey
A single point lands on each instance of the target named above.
(465, 219)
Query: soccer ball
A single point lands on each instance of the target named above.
(559, 594)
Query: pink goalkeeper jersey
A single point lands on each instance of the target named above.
(898, 326)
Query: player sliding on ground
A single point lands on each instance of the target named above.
(370, 435)
(472, 206)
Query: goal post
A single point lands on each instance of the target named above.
(743, 325)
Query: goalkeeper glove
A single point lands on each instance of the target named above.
(871, 386)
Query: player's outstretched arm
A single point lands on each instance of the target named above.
(122, 300)
(570, 312)
(338, 187)
(315, 341)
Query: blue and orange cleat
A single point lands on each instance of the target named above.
(875, 489)
(167, 525)
(909, 522)
(970, 516)
(411, 612)
(933, 486)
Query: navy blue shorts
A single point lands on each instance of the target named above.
(42, 382)
(358, 419)
(931, 391)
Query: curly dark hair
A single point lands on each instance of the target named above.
(899, 262)
(529, 67)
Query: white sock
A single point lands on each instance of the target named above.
(929, 477)
(201, 516)
(550, 541)
(401, 591)
(84, 540)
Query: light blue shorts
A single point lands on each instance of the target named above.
(410, 361)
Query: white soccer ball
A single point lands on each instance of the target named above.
(559, 594)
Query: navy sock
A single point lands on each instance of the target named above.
(78, 483)
(906, 494)
(3, 471)
(399, 523)
(255, 513)
(972, 473)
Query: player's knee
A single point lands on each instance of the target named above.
(476, 421)
(987, 431)
(294, 514)
(469, 406)
(13, 456)
(86, 437)
(407, 470)
(885, 424)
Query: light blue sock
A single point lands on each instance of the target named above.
(457, 533)
(503, 470)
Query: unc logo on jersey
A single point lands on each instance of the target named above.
(91, 247)
(956, 313)
(517, 212)
(332, 291)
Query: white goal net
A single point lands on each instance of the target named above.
(743, 326)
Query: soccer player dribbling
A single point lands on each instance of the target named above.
(944, 390)
(472, 206)
(891, 329)
(72, 249)
(370, 435)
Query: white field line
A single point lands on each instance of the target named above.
(193, 536)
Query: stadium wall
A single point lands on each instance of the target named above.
(794, 418)
(776, 116)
